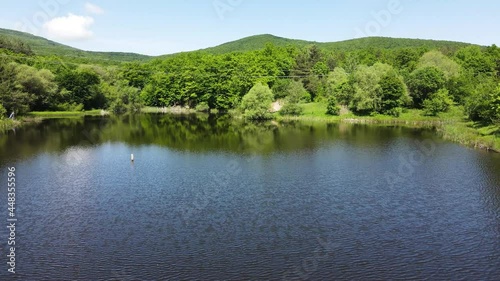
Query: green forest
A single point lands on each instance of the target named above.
(364, 77)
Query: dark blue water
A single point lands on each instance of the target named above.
(210, 199)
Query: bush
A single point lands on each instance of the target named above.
(306, 97)
(292, 109)
(256, 104)
(118, 107)
(344, 92)
(291, 90)
(393, 94)
(202, 107)
(425, 81)
(438, 102)
(481, 100)
(280, 88)
(69, 107)
(495, 106)
(396, 111)
(333, 108)
(3, 112)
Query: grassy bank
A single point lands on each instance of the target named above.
(7, 124)
(66, 114)
(173, 110)
(451, 125)
(317, 111)
(472, 134)
(34, 117)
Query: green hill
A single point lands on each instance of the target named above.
(256, 42)
(42, 46)
(391, 43)
(45, 47)
(259, 41)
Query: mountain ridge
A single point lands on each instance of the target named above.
(351, 44)
(44, 46)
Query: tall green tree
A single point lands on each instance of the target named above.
(257, 103)
(366, 79)
(475, 60)
(339, 86)
(82, 85)
(406, 59)
(435, 58)
(483, 104)
(40, 84)
(494, 53)
(423, 82)
(437, 103)
(295, 95)
(393, 94)
(13, 94)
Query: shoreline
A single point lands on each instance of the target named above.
(452, 128)
(457, 131)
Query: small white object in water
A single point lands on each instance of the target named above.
(132, 157)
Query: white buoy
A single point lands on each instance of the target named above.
(132, 157)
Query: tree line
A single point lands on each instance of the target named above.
(366, 81)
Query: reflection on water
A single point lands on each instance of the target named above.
(194, 133)
(210, 198)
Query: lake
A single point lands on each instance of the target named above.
(210, 198)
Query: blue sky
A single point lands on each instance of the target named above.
(160, 27)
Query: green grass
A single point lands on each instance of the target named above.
(472, 134)
(175, 110)
(59, 114)
(317, 111)
(151, 109)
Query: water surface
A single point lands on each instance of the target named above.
(208, 198)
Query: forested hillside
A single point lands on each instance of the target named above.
(258, 42)
(44, 47)
(365, 76)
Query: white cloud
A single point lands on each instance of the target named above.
(93, 9)
(70, 27)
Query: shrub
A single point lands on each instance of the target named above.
(438, 102)
(292, 109)
(118, 107)
(306, 97)
(333, 108)
(3, 111)
(202, 107)
(393, 94)
(256, 104)
(425, 81)
(396, 111)
(69, 107)
(280, 88)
